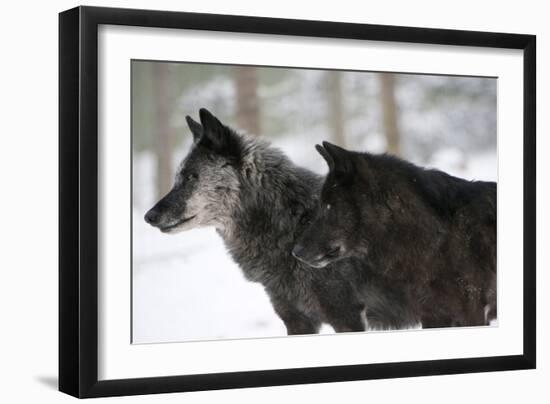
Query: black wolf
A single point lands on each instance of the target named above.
(259, 202)
(432, 235)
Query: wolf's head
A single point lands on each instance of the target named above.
(206, 183)
(333, 234)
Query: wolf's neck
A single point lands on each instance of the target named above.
(274, 196)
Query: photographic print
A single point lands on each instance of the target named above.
(249, 201)
(271, 201)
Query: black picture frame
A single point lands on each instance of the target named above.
(78, 200)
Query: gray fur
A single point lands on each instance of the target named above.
(260, 202)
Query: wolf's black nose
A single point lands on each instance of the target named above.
(297, 251)
(152, 217)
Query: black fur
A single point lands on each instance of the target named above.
(430, 235)
(260, 202)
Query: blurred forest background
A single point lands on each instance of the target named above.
(445, 122)
(417, 117)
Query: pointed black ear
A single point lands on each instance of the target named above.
(326, 156)
(215, 133)
(208, 119)
(195, 127)
(342, 159)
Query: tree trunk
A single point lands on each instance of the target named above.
(248, 109)
(336, 107)
(389, 112)
(164, 137)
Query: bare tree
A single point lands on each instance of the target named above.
(336, 107)
(389, 112)
(248, 109)
(164, 136)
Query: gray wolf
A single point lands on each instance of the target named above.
(259, 202)
(431, 235)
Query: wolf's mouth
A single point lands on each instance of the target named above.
(178, 223)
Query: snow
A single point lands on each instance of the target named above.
(186, 286)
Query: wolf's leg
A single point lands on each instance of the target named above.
(295, 321)
(491, 299)
(491, 312)
(436, 322)
(340, 306)
(477, 315)
(346, 317)
(355, 323)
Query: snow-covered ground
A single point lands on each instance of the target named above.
(186, 287)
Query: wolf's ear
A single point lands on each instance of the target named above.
(215, 133)
(342, 160)
(326, 156)
(195, 127)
